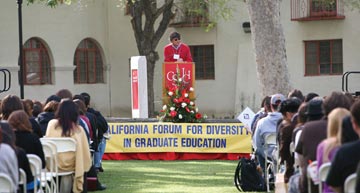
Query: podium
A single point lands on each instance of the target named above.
(186, 71)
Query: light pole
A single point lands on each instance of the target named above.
(20, 62)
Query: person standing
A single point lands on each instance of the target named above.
(177, 51)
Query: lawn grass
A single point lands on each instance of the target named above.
(136, 176)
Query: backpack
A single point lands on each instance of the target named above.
(247, 178)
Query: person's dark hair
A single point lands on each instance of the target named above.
(296, 93)
(37, 109)
(347, 132)
(19, 120)
(355, 112)
(9, 104)
(290, 105)
(174, 35)
(302, 117)
(28, 106)
(334, 100)
(266, 103)
(64, 94)
(67, 115)
(81, 105)
(310, 96)
(86, 98)
(80, 97)
(53, 98)
(8, 135)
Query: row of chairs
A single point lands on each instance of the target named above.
(320, 178)
(47, 178)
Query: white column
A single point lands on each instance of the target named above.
(139, 94)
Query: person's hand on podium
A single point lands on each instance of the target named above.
(180, 60)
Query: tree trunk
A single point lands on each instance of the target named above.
(269, 46)
(147, 38)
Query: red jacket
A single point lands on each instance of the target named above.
(183, 50)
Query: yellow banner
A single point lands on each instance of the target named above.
(178, 137)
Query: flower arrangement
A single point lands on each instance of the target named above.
(179, 105)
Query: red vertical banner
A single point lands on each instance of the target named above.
(135, 89)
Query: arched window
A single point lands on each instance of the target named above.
(37, 65)
(88, 62)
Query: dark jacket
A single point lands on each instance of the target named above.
(43, 119)
(30, 143)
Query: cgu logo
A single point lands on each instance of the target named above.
(185, 75)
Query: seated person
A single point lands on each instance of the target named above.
(7, 160)
(65, 124)
(265, 126)
(347, 157)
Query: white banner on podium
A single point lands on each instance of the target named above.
(139, 94)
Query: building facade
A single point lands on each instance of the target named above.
(86, 48)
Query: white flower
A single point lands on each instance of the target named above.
(172, 108)
(183, 105)
(191, 89)
(192, 112)
(164, 107)
(196, 109)
(186, 94)
(170, 93)
(205, 116)
(191, 103)
(180, 116)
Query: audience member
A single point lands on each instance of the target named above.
(7, 160)
(348, 133)
(102, 127)
(65, 125)
(64, 94)
(49, 113)
(28, 108)
(288, 109)
(327, 148)
(310, 96)
(22, 160)
(296, 93)
(25, 138)
(347, 157)
(265, 108)
(301, 120)
(37, 109)
(267, 125)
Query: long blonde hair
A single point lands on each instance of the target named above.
(334, 130)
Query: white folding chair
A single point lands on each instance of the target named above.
(270, 140)
(63, 145)
(323, 172)
(22, 179)
(5, 183)
(350, 183)
(312, 172)
(51, 162)
(35, 166)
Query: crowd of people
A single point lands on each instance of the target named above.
(310, 128)
(23, 124)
